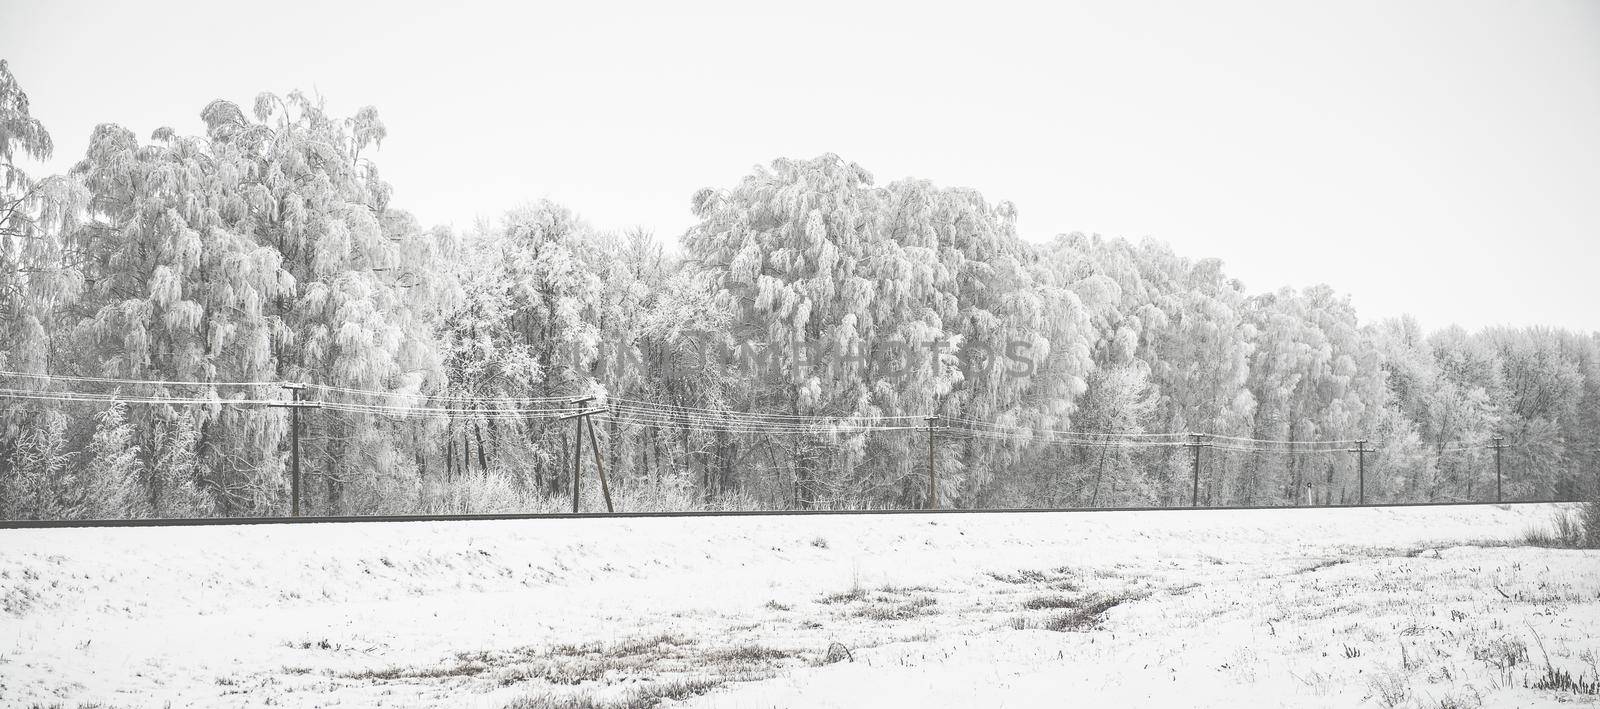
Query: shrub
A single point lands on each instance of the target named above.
(1389, 687)
(1571, 529)
(40, 458)
(1591, 524)
(106, 485)
(483, 493)
(172, 479)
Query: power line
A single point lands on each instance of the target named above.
(26, 394)
(657, 414)
(131, 382)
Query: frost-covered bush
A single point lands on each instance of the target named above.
(172, 481)
(41, 456)
(106, 484)
(645, 497)
(1591, 524)
(50, 480)
(483, 493)
(1572, 529)
(499, 492)
(66, 468)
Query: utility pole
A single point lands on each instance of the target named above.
(594, 446)
(577, 451)
(294, 405)
(1196, 441)
(1499, 444)
(1361, 450)
(933, 484)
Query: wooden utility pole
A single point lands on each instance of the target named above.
(582, 417)
(1361, 450)
(1196, 441)
(1499, 444)
(933, 478)
(294, 405)
(594, 446)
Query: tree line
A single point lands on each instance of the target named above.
(268, 250)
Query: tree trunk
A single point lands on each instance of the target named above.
(483, 459)
(450, 459)
(1100, 474)
(1327, 492)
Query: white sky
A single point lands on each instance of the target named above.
(1439, 158)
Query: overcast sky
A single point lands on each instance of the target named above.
(1438, 158)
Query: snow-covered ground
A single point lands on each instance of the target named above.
(1356, 607)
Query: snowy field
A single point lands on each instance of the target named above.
(1426, 607)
